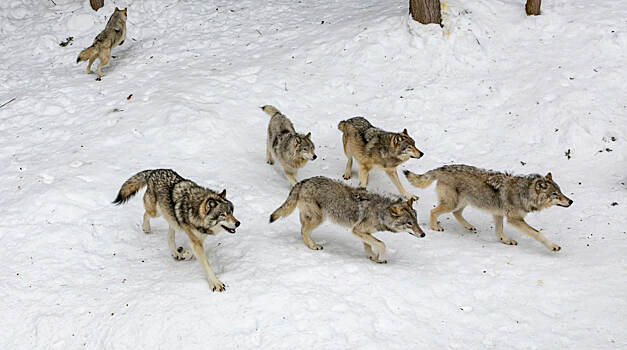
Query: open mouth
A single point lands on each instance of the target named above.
(228, 229)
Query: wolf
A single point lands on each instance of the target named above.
(501, 194)
(374, 148)
(290, 148)
(113, 35)
(318, 198)
(187, 207)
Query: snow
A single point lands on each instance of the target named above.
(493, 88)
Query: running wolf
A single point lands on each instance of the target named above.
(187, 207)
(113, 35)
(501, 194)
(374, 148)
(318, 198)
(290, 148)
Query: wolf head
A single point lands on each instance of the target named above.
(401, 217)
(404, 146)
(123, 12)
(217, 213)
(303, 146)
(546, 193)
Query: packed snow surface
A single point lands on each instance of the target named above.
(492, 88)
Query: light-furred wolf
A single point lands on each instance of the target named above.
(187, 207)
(290, 148)
(501, 194)
(319, 198)
(374, 148)
(113, 35)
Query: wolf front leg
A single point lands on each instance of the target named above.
(394, 177)
(525, 228)
(369, 243)
(199, 252)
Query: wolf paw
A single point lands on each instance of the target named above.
(146, 229)
(376, 259)
(555, 247)
(471, 228)
(346, 177)
(508, 241)
(437, 227)
(270, 161)
(217, 286)
(182, 254)
(99, 79)
(315, 247)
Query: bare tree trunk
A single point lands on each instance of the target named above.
(426, 11)
(96, 4)
(532, 7)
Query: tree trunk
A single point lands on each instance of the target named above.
(532, 7)
(96, 4)
(426, 11)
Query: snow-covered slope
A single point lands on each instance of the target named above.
(493, 88)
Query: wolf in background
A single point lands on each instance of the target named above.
(187, 207)
(112, 36)
(290, 148)
(374, 148)
(501, 194)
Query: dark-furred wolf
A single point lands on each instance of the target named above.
(187, 207)
(319, 198)
(501, 194)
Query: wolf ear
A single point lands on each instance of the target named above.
(117, 9)
(549, 177)
(222, 194)
(395, 210)
(405, 132)
(308, 135)
(124, 10)
(411, 200)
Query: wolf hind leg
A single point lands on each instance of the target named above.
(498, 227)
(462, 221)
(269, 159)
(150, 205)
(91, 61)
(309, 220)
(177, 253)
(349, 168)
(447, 198)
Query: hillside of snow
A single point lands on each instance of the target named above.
(492, 88)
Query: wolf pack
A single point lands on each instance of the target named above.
(200, 212)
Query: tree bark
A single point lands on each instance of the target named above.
(426, 11)
(96, 4)
(532, 7)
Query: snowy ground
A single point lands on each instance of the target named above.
(493, 88)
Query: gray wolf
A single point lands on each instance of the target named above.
(290, 148)
(374, 148)
(187, 207)
(319, 198)
(501, 194)
(112, 36)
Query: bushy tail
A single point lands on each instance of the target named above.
(87, 54)
(270, 110)
(131, 186)
(421, 180)
(290, 204)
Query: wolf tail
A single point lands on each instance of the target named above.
(421, 180)
(290, 204)
(87, 53)
(131, 186)
(270, 110)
